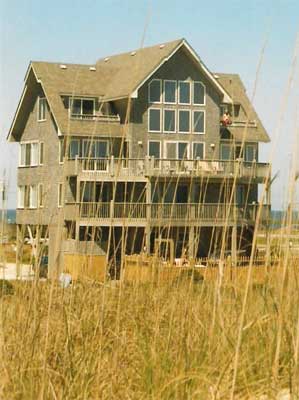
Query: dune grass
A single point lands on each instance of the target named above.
(174, 341)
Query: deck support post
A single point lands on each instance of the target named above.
(148, 216)
(20, 240)
(191, 242)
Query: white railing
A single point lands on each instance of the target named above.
(172, 211)
(96, 117)
(170, 167)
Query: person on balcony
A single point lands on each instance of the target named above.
(226, 118)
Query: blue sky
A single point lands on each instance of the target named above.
(228, 36)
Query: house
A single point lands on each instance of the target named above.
(141, 145)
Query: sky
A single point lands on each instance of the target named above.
(229, 36)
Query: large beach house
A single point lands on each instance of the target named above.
(142, 145)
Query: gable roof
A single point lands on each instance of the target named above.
(254, 132)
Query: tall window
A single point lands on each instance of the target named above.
(155, 89)
(40, 195)
(95, 149)
(82, 108)
(199, 93)
(226, 152)
(41, 153)
(198, 151)
(74, 149)
(42, 105)
(154, 150)
(154, 120)
(184, 121)
(198, 121)
(60, 195)
(250, 153)
(184, 92)
(21, 196)
(170, 92)
(183, 150)
(61, 151)
(169, 121)
(28, 154)
(33, 196)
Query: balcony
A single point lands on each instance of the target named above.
(96, 117)
(110, 167)
(156, 214)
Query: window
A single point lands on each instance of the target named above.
(198, 121)
(61, 151)
(41, 153)
(28, 154)
(82, 108)
(60, 195)
(199, 94)
(226, 152)
(154, 91)
(169, 121)
(74, 149)
(21, 196)
(154, 150)
(250, 153)
(95, 149)
(154, 120)
(170, 92)
(183, 151)
(40, 195)
(184, 121)
(198, 151)
(42, 104)
(184, 92)
(32, 196)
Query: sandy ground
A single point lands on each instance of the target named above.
(9, 271)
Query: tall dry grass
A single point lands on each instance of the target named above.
(120, 341)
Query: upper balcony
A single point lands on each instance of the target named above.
(111, 168)
(96, 117)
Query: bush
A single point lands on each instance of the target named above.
(6, 288)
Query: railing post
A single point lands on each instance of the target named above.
(112, 165)
(111, 208)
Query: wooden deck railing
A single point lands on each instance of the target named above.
(171, 212)
(170, 167)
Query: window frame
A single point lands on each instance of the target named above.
(177, 149)
(178, 126)
(31, 205)
(157, 161)
(21, 197)
(41, 152)
(149, 92)
(61, 152)
(175, 120)
(81, 115)
(231, 152)
(179, 93)
(69, 152)
(149, 112)
(255, 149)
(193, 94)
(40, 101)
(26, 143)
(204, 150)
(176, 91)
(40, 195)
(60, 195)
(204, 122)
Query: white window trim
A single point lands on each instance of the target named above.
(60, 189)
(193, 94)
(177, 148)
(178, 126)
(38, 105)
(148, 122)
(225, 144)
(93, 141)
(255, 150)
(204, 122)
(41, 144)
(24, 143)
(32, 207)
(150, 157)
(176, 91)
(21, 200)
(60, 148)
(40, 198)
(204, 150)
(71, 99)
(148, 90)
(73, 140)
(175, 120)
(184, 104)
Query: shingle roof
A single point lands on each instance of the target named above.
(233, 85)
